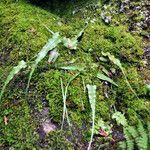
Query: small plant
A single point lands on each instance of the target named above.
(22, 64)
(136, 136)
(103, 128)
(92, 99)
(120, 118)
(64, 95)
(118, 63)
(72, 43)
(105, 78)
(50, 45)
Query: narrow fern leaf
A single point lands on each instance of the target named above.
(79, 68)
(65, 112)
(113, 59)
(51, 44)
(22, 64)
(118, 63)
(92, 99)
(64, 95)
(105, 78)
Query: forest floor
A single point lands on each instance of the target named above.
(102, 44)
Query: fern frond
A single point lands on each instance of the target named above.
(142, 141)
(148, 132)
(138, 136)
(129, 139)
(133, 132)
(148, 128)
(122, 145)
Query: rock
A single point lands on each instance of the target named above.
(147, 51)
(46, 127)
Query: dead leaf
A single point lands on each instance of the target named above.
(5, 120)
(103, 133)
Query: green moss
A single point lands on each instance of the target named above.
(20, 130)
(126, 99)
(132, 117)
(113, 39)
(135, 81)
(57, 140)
(23, 35)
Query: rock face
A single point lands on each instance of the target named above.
(136, 12)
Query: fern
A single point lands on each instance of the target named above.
(133, 132)
(64, 95)
(137, 136)
(118, 63)
(142, 141)
(50, 45)
(129, 140)
(120, 118)
(121, 145)
(92, 99)
(21, 65)
(148, 129)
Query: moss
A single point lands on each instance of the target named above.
(135, 81)
(20, 129)
(132, 117)
(23, 35)
(126, 99)
(113, 39)
(57, 140)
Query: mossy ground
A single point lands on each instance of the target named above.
(23, 35)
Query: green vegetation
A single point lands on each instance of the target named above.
(15, 70)
(92, 99)
(90, 52)
(136, 136)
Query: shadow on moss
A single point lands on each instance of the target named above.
(60, 7)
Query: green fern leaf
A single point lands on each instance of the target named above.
(22, 64)
(148, 129)
(129, 140)
(51, 44)
(92, 99)
(120, 118)
(133, 132)
(142, 141)
(122, 145)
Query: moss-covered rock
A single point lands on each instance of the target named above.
(114, 39)
(24, 34)
(18, 127)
